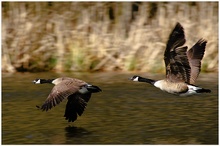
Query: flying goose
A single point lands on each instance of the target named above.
(76, 91)
(182, 66)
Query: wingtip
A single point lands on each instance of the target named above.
(202, 41)
(178, 25)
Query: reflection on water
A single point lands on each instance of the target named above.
(125, 112)
(72, 131)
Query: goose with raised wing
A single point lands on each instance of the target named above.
(182, 66)
(76, 91)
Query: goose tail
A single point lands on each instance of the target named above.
(203, 90)
(93, 88)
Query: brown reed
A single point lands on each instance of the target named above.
(102, 36)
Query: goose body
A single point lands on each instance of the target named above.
(182, 66)
(76, 91)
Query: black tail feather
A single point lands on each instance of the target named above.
(93, 89)
(203, 91)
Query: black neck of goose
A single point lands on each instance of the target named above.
(150, 81)
(43, 81)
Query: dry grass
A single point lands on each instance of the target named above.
(106, 36)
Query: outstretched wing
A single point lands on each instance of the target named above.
(58, 93)
(76, 105)
(195, 55)
(175, 57)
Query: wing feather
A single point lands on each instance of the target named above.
(59, 93)
(175, 57)
(76, 106)
(195, 55)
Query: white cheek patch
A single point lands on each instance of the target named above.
(135, 79)
(38, 81)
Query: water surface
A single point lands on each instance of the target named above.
(125, 112)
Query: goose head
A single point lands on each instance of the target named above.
(135, 78)
(42, 81)
(36, 81)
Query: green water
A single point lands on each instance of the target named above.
(125, 112)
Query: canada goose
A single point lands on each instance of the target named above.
(76, 91)
(182, 66)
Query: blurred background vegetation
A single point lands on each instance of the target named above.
(102, 36)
